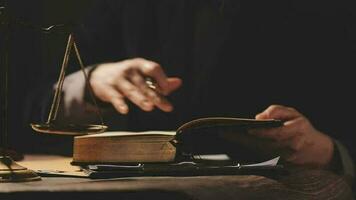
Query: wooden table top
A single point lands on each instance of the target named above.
(298, 184)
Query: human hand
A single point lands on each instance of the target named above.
(114, 82)
(308, 146)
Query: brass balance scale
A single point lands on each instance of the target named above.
(69, 129)
(10, 171)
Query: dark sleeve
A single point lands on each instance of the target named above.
(79, 107)
(342, 162)
(99, 35)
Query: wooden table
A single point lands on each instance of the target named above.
(299, 184)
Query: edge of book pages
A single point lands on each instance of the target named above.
(130, 134)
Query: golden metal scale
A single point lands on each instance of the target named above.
(51, 127)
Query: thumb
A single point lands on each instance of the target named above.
(278, 112)
(262, 115)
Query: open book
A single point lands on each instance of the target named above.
(205, 136)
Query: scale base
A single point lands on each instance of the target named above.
(10, 171)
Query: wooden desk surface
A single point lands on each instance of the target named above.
(299, 184)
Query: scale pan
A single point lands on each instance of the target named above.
(69, 129)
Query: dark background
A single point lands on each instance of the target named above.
(35, 60)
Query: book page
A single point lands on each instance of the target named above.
(272, 162)
(129, 133)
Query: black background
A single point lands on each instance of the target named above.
(35, 60)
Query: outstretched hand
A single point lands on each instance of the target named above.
(309, 146)
(115, 82)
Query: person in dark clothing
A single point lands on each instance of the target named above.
(277, 59)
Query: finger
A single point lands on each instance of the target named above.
(173, 84)
(297, 142)
(134, 94)
(293, 144)
(286, 149)
(153, 96)
(162, 103)
(137, 79)
(110, 94)
(278, 112)
(288, 130)
(155, 71)
(120, 105)
(280, 149)
(292, 148)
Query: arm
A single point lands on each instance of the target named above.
(114, 84)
